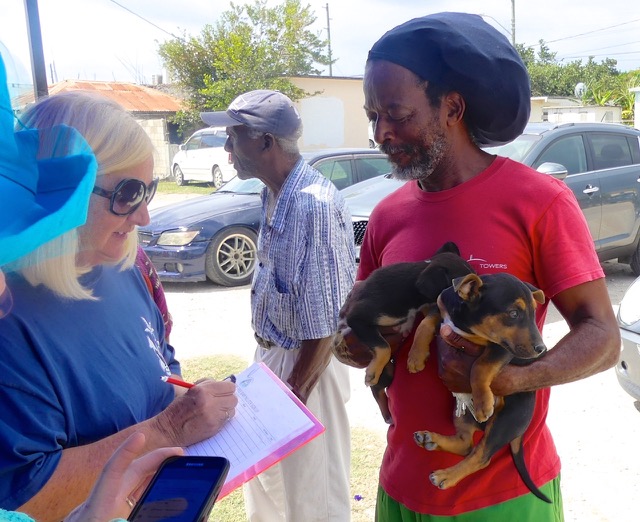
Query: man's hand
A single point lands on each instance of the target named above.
(456, 356)
(353, 352)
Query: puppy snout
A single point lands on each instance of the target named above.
(342, 324)
(526, 350)
(540, 348)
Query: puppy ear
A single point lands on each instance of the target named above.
(467, 287)
(450, 247)
(433, 280)
(538, 294)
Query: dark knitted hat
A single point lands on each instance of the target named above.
(465, 54)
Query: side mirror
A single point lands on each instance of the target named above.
(181, 146)
(556, 170)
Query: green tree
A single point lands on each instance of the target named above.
(545, 56)
(622, 94)
(251, 47)
(527, 54)
(605, 85)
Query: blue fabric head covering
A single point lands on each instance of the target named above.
(46, 178)
(465, 54)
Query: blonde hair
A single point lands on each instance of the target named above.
(119, 143)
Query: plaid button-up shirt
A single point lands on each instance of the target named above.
(306, 260)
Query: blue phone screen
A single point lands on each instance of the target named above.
(178, 494)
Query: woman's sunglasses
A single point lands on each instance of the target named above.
(128, 195)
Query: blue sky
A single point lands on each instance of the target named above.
(100, 40)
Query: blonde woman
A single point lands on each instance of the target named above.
(83, 348)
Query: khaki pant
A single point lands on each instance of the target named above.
(311, 484)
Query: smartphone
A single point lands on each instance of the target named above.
(183, 489)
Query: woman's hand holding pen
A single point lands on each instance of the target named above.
(197, 414)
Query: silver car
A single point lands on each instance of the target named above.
(628, 367)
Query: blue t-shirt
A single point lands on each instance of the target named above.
(73, 372)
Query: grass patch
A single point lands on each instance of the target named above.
(170, 187)
(216, 366)
(367, 447)
(231, 507)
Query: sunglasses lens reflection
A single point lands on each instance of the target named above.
(128, 197)
(151, 190)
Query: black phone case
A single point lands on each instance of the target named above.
(223, 465)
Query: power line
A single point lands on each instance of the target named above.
(496, 21)
(591, 32)
(608, 47)
(596, 55)
(148, 21)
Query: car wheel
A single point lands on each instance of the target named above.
(178, 175)
(217, 177)
(635, 262)
(231, 257)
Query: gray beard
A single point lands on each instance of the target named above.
(412, 172)
(424, 161)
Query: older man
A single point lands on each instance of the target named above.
(306, 268)
(435, 89)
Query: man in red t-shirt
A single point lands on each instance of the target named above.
(436, 88)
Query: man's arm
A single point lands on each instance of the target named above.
(329, 275)
(313, 358)
(591, 346)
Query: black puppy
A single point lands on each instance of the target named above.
(392, 296)
(498, 312)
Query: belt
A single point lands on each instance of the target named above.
(267, 345)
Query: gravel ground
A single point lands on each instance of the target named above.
(595, 426)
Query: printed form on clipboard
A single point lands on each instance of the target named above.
(270, 422)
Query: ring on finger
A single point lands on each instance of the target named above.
(131, 502)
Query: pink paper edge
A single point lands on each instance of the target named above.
(297, 442)
(275, 457)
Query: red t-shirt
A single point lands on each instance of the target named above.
(509, 218)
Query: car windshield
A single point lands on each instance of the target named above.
(363, 196)
(241, 186)
(517, 149)
(214, 140)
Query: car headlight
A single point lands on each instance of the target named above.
(629, 310)
(177, 237)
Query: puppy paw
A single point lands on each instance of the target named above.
(425, 440)
(439, 479)
(483, 416)
(371, 379)
(415, 364)
(483, 410)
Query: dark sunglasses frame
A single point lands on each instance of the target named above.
(111, 195)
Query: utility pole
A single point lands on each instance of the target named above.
(329, 39)
(513, 22)
(38, 68)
